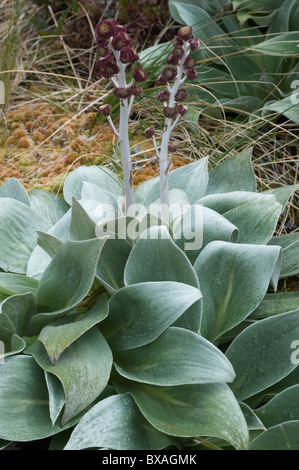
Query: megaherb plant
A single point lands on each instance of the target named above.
(248, 60)
(123, 330)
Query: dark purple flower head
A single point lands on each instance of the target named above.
(185, 33)
(169, 74)
(103, 50)
(139, 75)
(194, 44)
(105, 109)
(181, 94)
(178, 41)
(161, 81)
(163, 96)
(122, 93)
(178, 52)
(105, 29)
(150, 131)
(170, 112)
(135, 90)
(108, 66)
(173, 146)
(128, 55)
(191, 74)
(181, 109)
(189, 63)
(122, 39)
(172, 59)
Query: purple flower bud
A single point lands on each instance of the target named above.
(135, 90)
(181, 94)
(181, 109)
(185, 33)
(139, 75)
(194, 44)
(150, 131)
(169, 73)
(103, 50)
(128, 55)
(189, 63)
(161, 81)
(170, 112)
(122, 93)
(105, 109)
(178, 52)
(105, 29)
(191, 74)
(108, 66)
(122, 39)
(172, 59)
(163, 96)
(178, 41)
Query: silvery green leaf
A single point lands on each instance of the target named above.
(199, 226)
(103, 177)
(15, 190)
(225, 270)
(284, 436)
(281, 408)
(290, 253)
(24, 401)
(224, 202)
(283, 193)
(11, 284)
(16, 312)
(163, 260)
(95, 192)
(193, 410)
(139, 313)
(273, 304)
(192, 179)
(58, 336)
(39, 259)
(18, 234)
(56, 396)
(116, 423)
(17, 345)
(82, 227)
(83, 370)
(233, 174)
(252, 420)
(48, 243)
(256, 222)
(66, 281)
(49, 206)
(176, 357)
(262, 354)
(112, 262)
(97, 212)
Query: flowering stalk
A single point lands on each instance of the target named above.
(180, 67)
(116, 56)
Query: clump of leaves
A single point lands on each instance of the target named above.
(119, 332)
(249, 56)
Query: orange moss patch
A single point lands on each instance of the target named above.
(42, 146)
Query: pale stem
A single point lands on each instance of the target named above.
(168, 127)
(113, 126)
(123, 134)
(126, 154)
